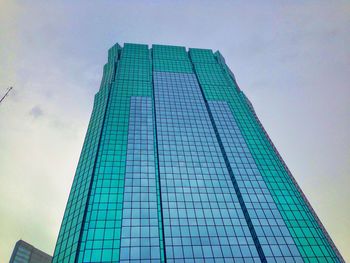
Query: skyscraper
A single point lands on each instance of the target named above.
(176, 167)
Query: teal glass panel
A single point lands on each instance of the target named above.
(71, 227)
(140, 232)
(176, 167)
(295, 210)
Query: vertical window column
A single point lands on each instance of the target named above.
(140, 234)
(203, 219)
(273, 234)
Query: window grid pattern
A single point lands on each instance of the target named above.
(134, 69)
(140, 233)
(174, 53)
(101, 238)
(166, 65)
(193, 147)
(275, 239)
(210, 74)
(69, 234)
(306, 232)
(113, 53)
(202, 216)
(199, 55)
(171, 59)
(22, 255)
(135, 51)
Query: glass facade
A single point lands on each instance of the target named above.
(176, 167)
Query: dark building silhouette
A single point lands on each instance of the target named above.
(26, 253)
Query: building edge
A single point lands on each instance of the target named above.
(222, 61)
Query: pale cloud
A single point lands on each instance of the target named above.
(291, 59)
(36, 112)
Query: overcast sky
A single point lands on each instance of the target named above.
(291, 58)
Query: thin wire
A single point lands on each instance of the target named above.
(7, 92)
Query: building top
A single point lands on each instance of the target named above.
(26, 253)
